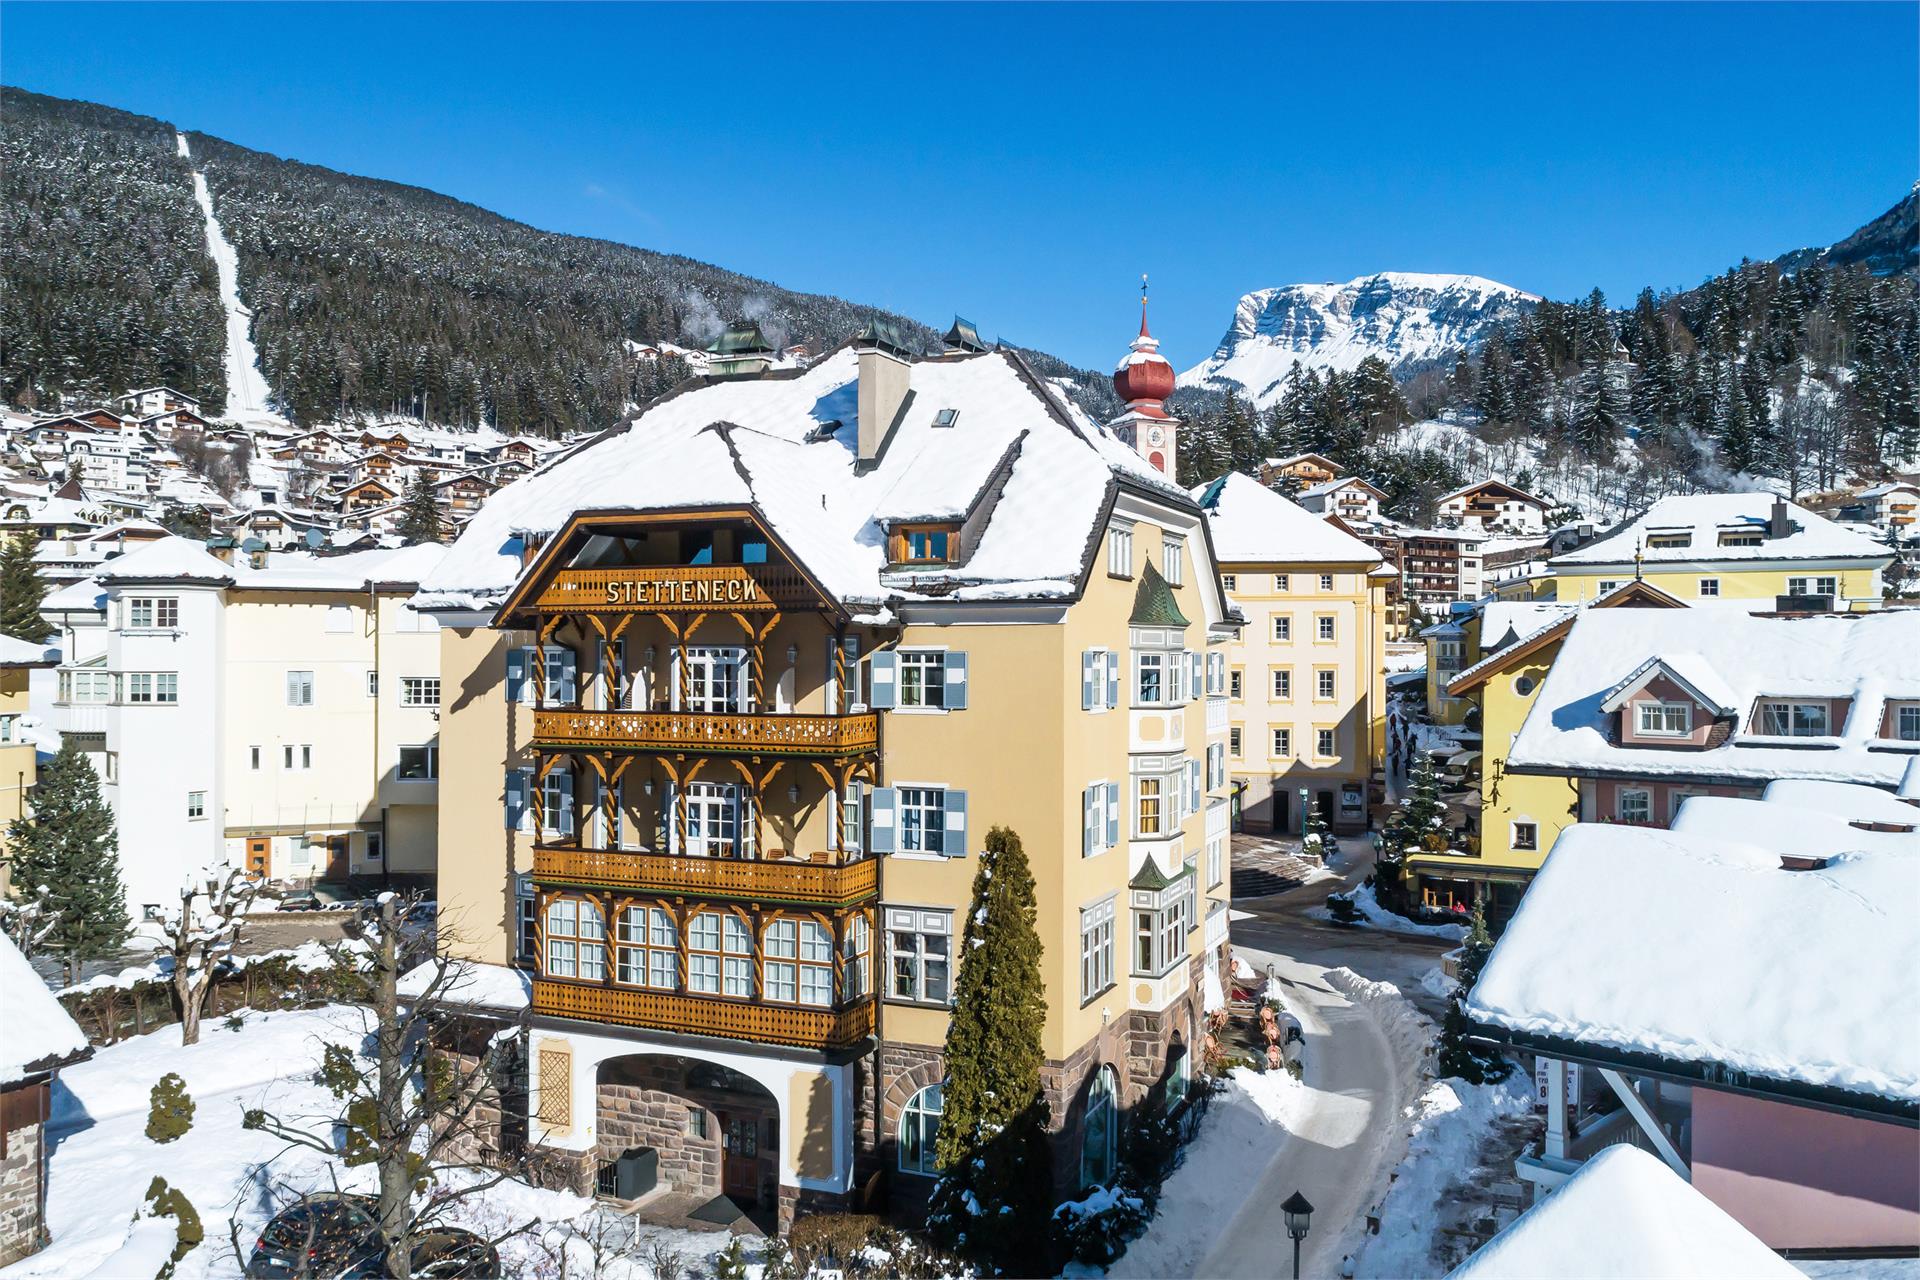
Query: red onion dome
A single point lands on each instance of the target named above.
(1143, 376)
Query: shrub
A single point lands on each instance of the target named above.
(1096, 1230)
(169, 1109)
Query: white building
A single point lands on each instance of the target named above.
(1351, 498)
(1494, 506)
(282, 714)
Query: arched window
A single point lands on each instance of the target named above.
(1179, 1073)
(919, 1131)
(1099, 1132)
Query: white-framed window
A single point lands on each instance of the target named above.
(1326, 582)
(299, 688)
(1323, 744)
(155, 688)
(1709, 586)
(1635, 804)
(920, 1132)
(1099, 818)
(526, 916)
(86, 687)
(799, 962)
(1216, 765)
(703, 953)
(1216, 674)
(920, 955)
(373, 684)
(1096, 949)
(856, 960)
(297, 755)
(1152, 812)
(419, 691)
(1525, 837)
(1229, 582)
(1120, 552)
(1282, 583)
(1609, 585)
(1323, 628)
(923, 678)
(1282, 682)
(1795, 719)
(1282, 742)
(647, 950)
(418, 763)
(1235, 686)
(923, 819)
(1233, 741)
(153, 613)
(1100, 1132)
(1663, 719)
(1099, 680)
(196, 804)
(1323, 683)
(1813, 586)
(556, 802)
(1282, 627)
(1153, 679)
(1170, 555)
(1906, 723)
(576, 939)
(1216, 861)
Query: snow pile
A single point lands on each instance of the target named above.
(1450, 1120)
(1408, 1031)
(1405, 318)
(1835, 1008)
(1233, 1149)
(1625, 1214)
(1378, 917)
(38, 1029)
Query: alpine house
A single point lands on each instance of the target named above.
(738, 689)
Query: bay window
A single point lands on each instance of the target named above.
(576, 940)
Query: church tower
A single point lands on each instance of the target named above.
(1144, 380)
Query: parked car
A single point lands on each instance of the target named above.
(301, 900)
(448, 1253)
(325, 1234)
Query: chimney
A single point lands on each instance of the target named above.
(885, 372)
(1778, 525)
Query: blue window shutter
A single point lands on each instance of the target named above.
(1193, 786)
(518, 782)
(517, 674)
(883, 834)
(853, 836)
(1089, 819)
(956, 667)
(1113, 678)
(1113, 815)
(955, 844)
(1088, 659)
(885, 679)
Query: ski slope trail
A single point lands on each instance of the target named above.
(248, 398)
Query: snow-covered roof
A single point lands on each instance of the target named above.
(1697, 979)
(1520, 617)
(167, 560)
(1703, 517)
(1886, 487)
(1786, 827)
(39, 1030)
(176, 559)
(762, 442)
(25, 653)
(1624, 1215)
(1849, 801)
(1867, 658)
(1342, 482)
(1688, 670)
(1491, 483)
(1252, 524)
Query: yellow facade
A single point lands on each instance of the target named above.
(18, 770)
(1714, 580)
(1279, 708)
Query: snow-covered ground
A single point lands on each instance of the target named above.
(247, 394)
(102, 1160)
(1378, 917)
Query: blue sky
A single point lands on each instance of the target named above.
(1022, 165)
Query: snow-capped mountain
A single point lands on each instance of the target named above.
(1404, 318)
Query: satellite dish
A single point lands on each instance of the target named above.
(314, 539)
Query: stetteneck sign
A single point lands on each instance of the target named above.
(679, 591)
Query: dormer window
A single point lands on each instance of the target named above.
(1782, 719)
(1663, 719)
(946, 417)
(1740, 537)
(1667, 541)
(925, 544)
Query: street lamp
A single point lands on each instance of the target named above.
(1304, 797)
(1299, 1215)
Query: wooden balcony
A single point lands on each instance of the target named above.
(720, 588)
(705, 1015)
(777, 734)
(749, 879)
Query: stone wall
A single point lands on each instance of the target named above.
(641, 1106)
(21, 1230)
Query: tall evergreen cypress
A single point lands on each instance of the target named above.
(21, 591)
(995, 1196)
(67, 846)
(420, 517)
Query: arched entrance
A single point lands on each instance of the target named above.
(710, 1129)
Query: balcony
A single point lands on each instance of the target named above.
(750, 879)
(705, 1016)
(726, 733)
(679, 589)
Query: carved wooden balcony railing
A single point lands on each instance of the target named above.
(678, 589)
(751, 879)
(783, 733)
(705, 1016)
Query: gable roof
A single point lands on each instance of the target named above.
(1629, 595)
(1321, 458)
(1343, 482)
(1252, 524)
(1703, 516)
(1502, 485)
(1690, 671)
(757, 444)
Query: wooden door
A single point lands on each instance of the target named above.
(740, 1157)
(337, 857)
(259, 857)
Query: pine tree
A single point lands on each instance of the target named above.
(21, 591)
(420, 517)
(1457, 1057)
(995, 1194)
(67, 847)
(1418, 825)
(1318, 838)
